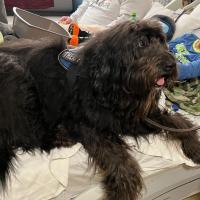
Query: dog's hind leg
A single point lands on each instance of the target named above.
(121, 172)
(189, 141)
(6, 158)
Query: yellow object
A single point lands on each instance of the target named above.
(1, 38)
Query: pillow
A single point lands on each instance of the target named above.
(196, 11)
(159, 9)
(186, 24)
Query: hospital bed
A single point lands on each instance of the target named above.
(64, 173)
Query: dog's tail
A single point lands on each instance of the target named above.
(7, 157)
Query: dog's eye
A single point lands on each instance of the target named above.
(141, 43)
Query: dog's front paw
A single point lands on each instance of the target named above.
(123, 183)
(191, 148)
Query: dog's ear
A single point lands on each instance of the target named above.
(150, 28)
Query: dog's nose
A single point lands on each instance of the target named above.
(170, 66)
(170, 62)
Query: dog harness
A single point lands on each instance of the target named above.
(68, 59)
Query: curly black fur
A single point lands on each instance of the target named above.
(114, 89)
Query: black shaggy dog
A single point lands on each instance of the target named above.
(111, 91)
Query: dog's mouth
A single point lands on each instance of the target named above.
(165, 76)
(166, 73)
(160, 82)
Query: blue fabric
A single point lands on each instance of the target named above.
(66, 64)
(183, 48)
(187, 51)
(189, 70)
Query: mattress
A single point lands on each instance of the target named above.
(160, 185)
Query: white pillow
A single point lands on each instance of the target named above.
(159, 9)
(185, 24)
(196, 12)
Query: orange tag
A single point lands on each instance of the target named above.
(75, 29)
(74, 40)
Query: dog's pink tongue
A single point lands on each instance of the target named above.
(160, 81)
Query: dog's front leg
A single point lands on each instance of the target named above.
(121, 173)
(189, 141)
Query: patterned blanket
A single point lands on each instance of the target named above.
(186, 94)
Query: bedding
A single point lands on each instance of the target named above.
(186, 184)
(64, 173)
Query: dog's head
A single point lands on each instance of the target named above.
(127, 65)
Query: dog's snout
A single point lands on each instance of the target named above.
(170, 62)
(170, 66)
